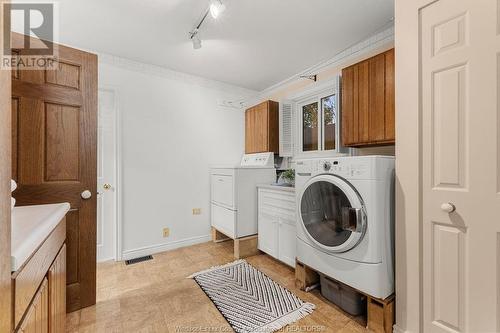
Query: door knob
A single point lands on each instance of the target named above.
(86, 195)
(448, 207)
(107, 186)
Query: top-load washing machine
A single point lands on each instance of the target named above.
(345, 226)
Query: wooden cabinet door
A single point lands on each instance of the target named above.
(368, 102)
(57, 293)
(262, 128)
(390, 133)
(37, 315)
(56, 112)
(249, 133)
(348, 106)
(376, 117)
(362, 102)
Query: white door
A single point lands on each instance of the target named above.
(106, 176)
(459, 70)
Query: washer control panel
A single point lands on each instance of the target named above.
(341, 168)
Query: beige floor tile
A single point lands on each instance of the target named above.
(155, 296)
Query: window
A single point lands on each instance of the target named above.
(328, 105)
(310, 127)
(318, 117)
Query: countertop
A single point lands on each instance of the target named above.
(31, 225)
(277, 188)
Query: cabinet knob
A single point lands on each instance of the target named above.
(448, 207)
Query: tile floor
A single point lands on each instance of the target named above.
(155, 296)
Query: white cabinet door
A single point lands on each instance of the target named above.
(224, 220)
(222, 190)
(286, 243)
(268, 234)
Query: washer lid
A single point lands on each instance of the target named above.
(332, 213)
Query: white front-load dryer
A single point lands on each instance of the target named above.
(345, 224)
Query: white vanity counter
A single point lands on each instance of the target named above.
(30, 227)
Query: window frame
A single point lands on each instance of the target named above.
(315, 94)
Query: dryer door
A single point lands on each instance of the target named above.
(332, 213)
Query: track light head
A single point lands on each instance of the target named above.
(216, 8)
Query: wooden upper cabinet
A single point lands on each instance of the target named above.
(261, 128)
(368, 102)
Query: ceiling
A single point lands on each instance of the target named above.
(253, 44)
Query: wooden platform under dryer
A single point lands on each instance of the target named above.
(380, 312)
(243, 247)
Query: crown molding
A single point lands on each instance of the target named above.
(380, 39)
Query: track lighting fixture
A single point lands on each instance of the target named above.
(215, 9)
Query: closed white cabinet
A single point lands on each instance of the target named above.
(222, 189)
(268, 234)
(286, 243)
(277, 235)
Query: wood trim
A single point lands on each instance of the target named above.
(245, 247)
(27, 280)
(380, 312)
(218, 237)
(5, 210)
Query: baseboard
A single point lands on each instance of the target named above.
(147, 250)
(397, 329)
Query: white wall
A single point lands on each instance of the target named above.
(172, 130)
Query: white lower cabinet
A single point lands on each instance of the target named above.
(277, 235)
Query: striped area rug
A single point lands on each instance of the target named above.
(249, 300)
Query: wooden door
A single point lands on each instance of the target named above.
(460, 150)
(57, 293)
(55, 155)
(37, 315)
(5, 212)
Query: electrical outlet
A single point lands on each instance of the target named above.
(196, 211)
(166, 232)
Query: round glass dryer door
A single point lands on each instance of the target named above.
(332, 213)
